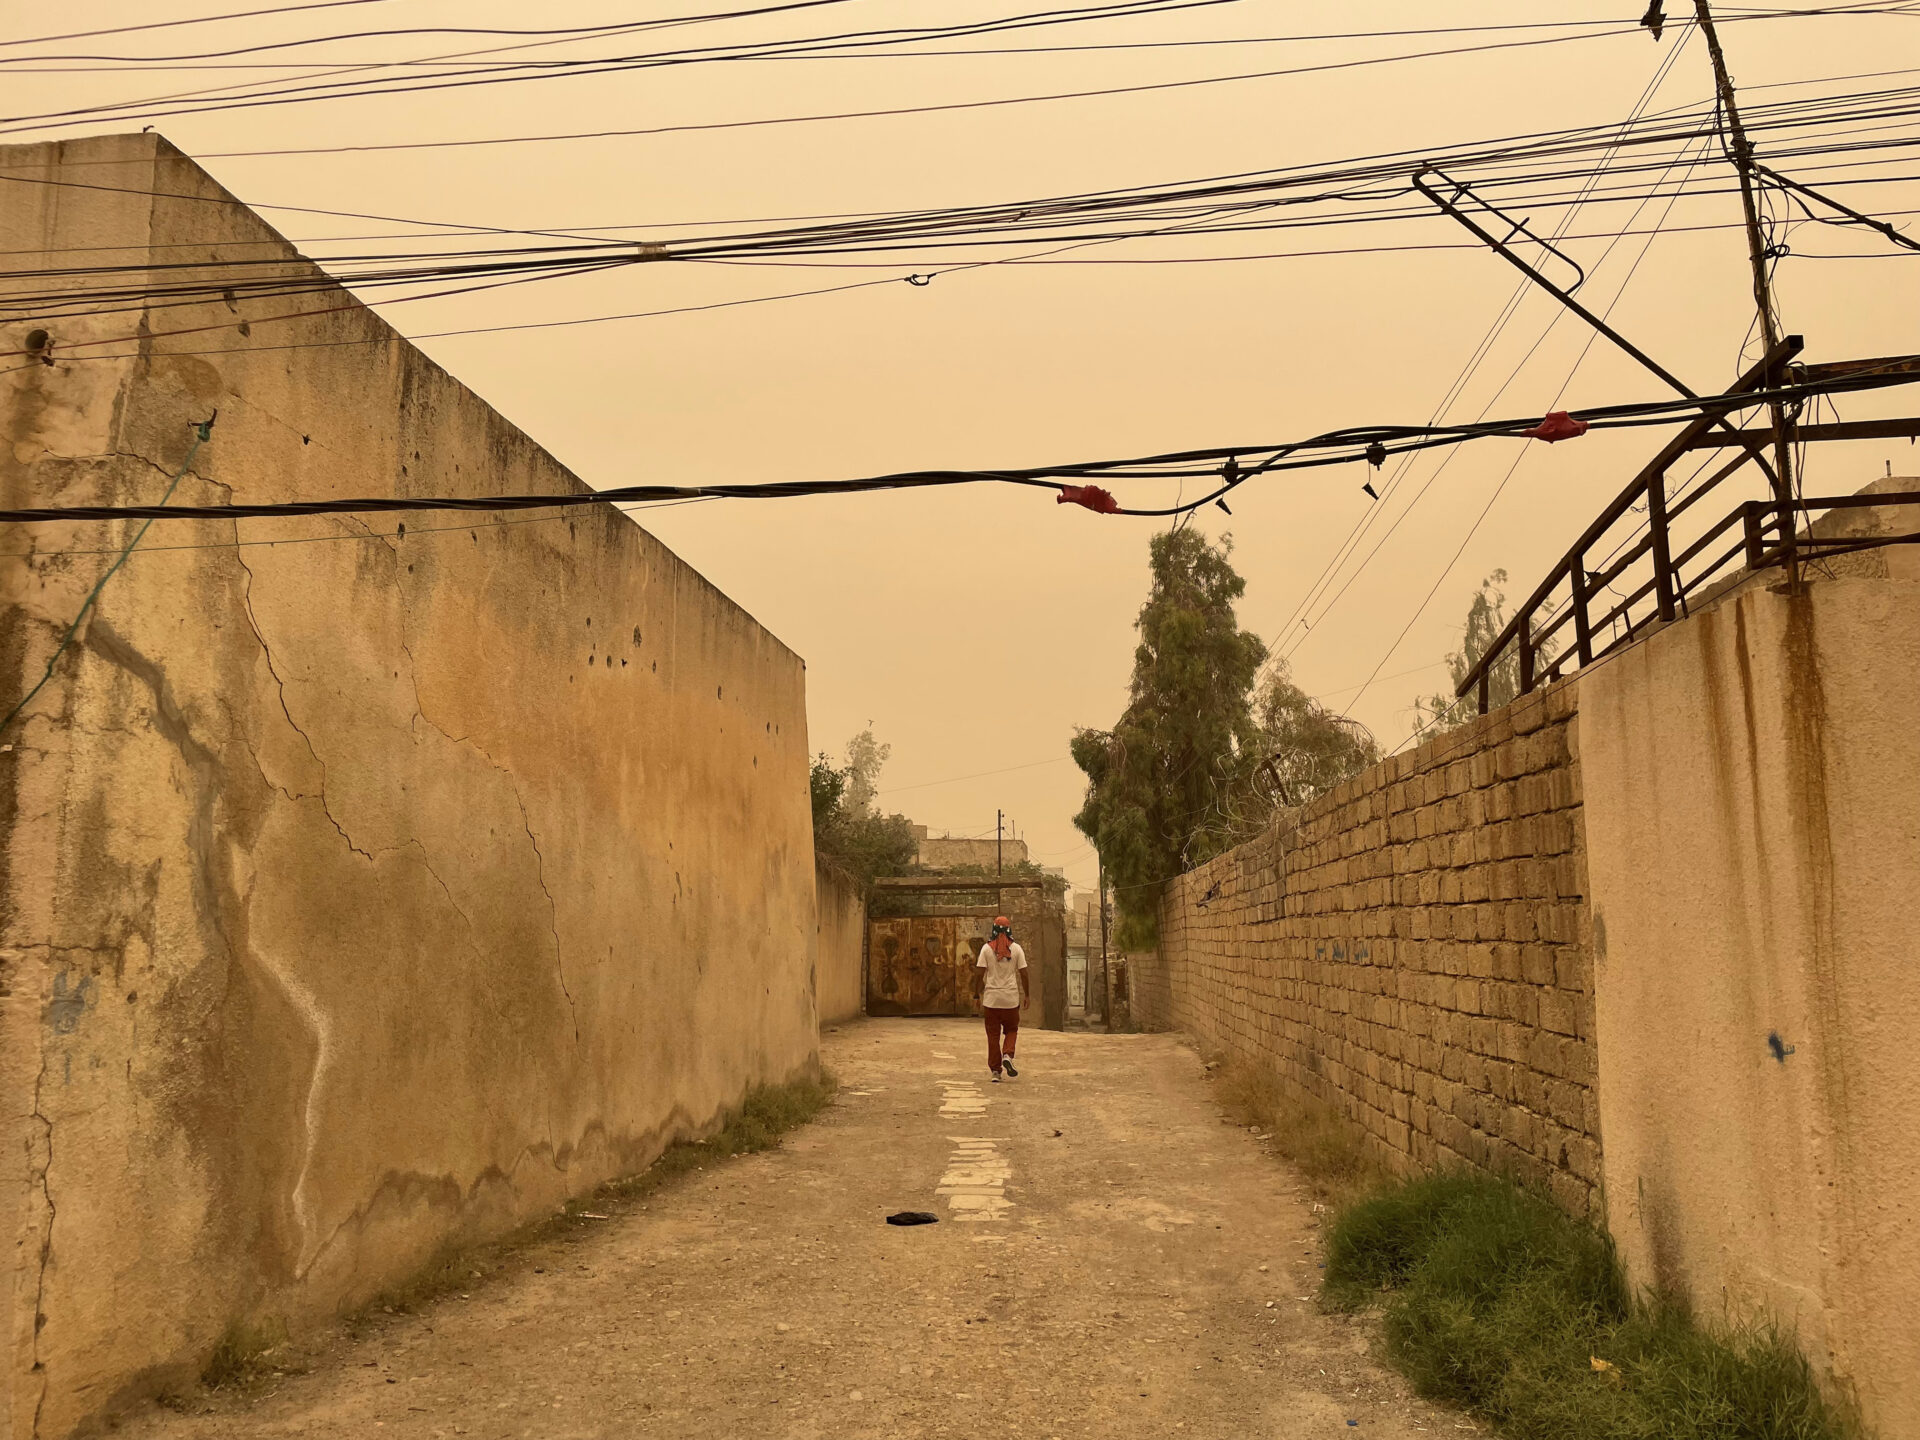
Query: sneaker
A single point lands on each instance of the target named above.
(996, 1077)
(1007, 1065)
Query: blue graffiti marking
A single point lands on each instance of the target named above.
(68, 1005)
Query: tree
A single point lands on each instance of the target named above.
(1309, 748)
(1486, 618)
(847, 827)
(1161, 784)
(829, 786)
(865, 757)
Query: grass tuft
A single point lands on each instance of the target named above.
(250, 1353)
(1321, 1143)
(1499, 1302)
(765, 1114)
(242, 1354)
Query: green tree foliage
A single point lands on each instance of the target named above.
(829, 785)
(848, 828)
(1486, 618)
(1309, 749)
(1163, 783)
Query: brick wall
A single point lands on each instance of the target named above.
(1411, 949)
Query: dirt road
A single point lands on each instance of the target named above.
(1111, 1261)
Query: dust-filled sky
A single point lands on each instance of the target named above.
(975, 628)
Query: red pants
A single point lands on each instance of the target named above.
(1000, 1022)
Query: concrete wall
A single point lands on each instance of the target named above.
(360, 895)
(1753, 822)
(842, 930)
(1408, 949)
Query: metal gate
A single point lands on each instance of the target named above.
(916, 965)
(923, 964)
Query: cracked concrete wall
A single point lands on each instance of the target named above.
(360, 896)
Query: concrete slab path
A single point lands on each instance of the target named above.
(1112, 1261)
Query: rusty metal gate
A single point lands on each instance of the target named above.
(923, 964)
(919, 965)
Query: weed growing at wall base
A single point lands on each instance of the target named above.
(764, 1115)
(250, 1353)
(1316, 1139)
(244, 1352)
(1499, 1302)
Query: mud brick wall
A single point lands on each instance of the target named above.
(1412, 950)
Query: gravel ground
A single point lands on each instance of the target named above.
(1112, 1260)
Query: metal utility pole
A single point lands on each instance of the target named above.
(1742, 153)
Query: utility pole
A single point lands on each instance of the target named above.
(998, 817)
(1742, 152)
(1106, 971)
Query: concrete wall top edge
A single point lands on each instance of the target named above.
(172, 176)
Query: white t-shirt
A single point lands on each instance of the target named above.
(1002, 991)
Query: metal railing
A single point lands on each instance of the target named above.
(1586, 608)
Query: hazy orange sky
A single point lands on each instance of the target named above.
(974, 629)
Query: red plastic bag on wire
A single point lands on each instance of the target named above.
(1091, 496)
(1557, 426)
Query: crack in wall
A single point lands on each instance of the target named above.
(279, 682)
(280, 695)
(38, 1366)
(526, 820)
(553, 909)
(306, 1002)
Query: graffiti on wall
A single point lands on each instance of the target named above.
(919, 965)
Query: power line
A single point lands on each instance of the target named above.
(1228, 207)
(131, 110)
(109, 64)
(1354, 170)
(977, 775)
(569, 31)
(1289, 640)
(196, 20)
(403, 533)
(1518, 459)
(146, 62)
(568, 37)
(294, 93)
(51, 121)
(1337, 447)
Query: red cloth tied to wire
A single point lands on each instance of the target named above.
(1091, 496)
(1558, 425)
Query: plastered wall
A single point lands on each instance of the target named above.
(1408, 949)
(842, 944)
(364, 894)
(1753, 823)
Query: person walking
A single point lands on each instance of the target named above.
(1000, 987)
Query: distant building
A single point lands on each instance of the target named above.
(946, 852)
(1085, 979)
